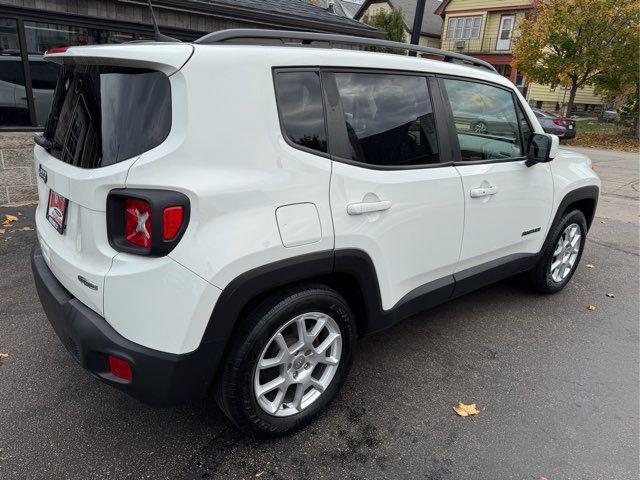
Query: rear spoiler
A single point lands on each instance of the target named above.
(165, 57)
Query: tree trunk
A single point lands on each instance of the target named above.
(572, 98)
(636, 112)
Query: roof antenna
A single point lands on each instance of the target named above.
(159, 37)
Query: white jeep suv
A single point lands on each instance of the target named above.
(232, 214)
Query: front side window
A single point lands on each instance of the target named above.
(485, 119)
(299, 98)
(464, 28)
(389, 119)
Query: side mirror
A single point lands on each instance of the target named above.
(542, 148)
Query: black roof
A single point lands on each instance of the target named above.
(297, 12)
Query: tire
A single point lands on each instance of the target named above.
(480, 128)
(542, 277)
(258, 339)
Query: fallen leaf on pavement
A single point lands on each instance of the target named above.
(24, 229)
(259, 474)
(2, 230)
(611, 295)
(3, 356)
(591, 307)
(10, 218)
(543, 478)
(589, 265)
(466, 409)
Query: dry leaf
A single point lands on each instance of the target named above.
(589, 265)
(611, 295)
(259, 474)
(2, 230)
(24, 229)
(543, 478)
(10, 218)
(466, 409)
(3, 356)
(591, 307)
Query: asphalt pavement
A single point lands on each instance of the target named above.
(556, 385)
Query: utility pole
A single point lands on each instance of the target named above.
(417, 25)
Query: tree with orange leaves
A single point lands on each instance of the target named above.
(577, 42)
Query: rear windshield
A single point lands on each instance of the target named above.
(103, 115)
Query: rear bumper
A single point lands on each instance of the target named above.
(158, 378)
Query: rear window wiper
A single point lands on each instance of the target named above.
(47, 144)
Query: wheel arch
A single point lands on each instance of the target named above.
(350, 272)
(584, 199)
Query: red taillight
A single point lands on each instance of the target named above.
(56, 50)
(559, 121)
(137, 219)
(119, 367)
(171, 222)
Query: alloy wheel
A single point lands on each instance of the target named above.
(566, 253)
(297, 364)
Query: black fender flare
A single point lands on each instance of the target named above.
(589, 192)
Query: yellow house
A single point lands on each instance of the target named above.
(431, 23)
(486, 29)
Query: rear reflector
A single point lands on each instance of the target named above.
(171, 222)
(119, 367)
(137, 219)
(56, 50)
(558, 121)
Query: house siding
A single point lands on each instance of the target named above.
(489, 30)
(543, 93)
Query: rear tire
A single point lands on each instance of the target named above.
(275, 380)
(560, 254)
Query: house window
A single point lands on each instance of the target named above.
(463, 28)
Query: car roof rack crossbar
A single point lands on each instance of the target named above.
(250, 36)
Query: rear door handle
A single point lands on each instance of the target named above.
(368, 207)
(483, 192)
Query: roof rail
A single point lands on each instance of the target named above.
(256, 37)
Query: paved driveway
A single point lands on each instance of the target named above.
(557, 386)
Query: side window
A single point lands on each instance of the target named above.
(299, 99)
(485, 119)
(389, 119)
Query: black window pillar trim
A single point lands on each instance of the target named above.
(22, 38)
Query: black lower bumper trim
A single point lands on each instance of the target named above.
(158, 378)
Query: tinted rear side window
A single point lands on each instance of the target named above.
(389, 118)
(299, 98)
(103, 115)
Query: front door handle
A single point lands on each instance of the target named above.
(483, 192)
(368, 207)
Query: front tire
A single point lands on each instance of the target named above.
(288, 361)
(561, 253)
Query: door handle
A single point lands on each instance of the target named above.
(483, 192)
(368, 207)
